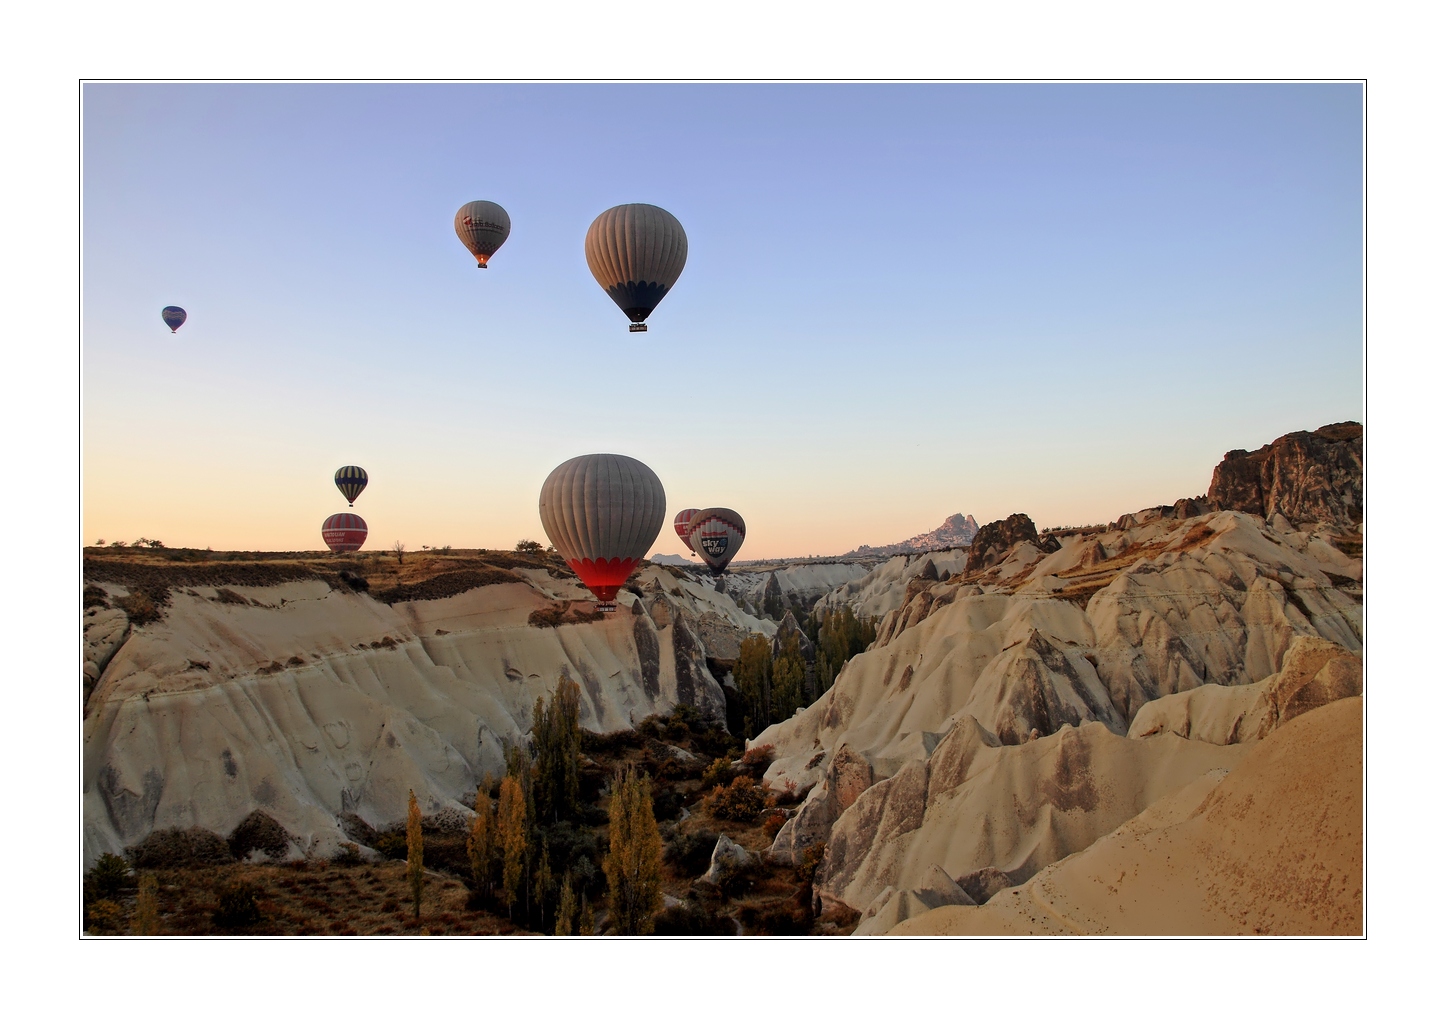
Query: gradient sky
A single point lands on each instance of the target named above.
(900, 302)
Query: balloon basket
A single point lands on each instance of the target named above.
(638, 327)
(607, 606)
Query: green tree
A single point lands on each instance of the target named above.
(557, 735)
(753, 674)
(634, 864)
(788, 673)
(512, 831)
(480, 850)
(841, 635)
(414, 852)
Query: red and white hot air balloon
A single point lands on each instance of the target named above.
(716, 534)
(344, 532)
(680, 524)
(602, 511)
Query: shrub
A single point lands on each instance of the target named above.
(392, 845)
(691, 854)
(692, 920)
(94, 596)
(717, 773)
(757, 759)
(259, 830)
(773, 822)
(146, 922)
(349, 855)
(180, 847)
(109, 875)
(782, 918)
(139, 607)
(739, 801)
(236, 905)
(103, 917)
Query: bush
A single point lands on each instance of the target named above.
(691, 854)
(103, 917)
(259, 830)
(739, 801)
(140, 608)
(392, 844)
(757, 759)
(349, 855)
(717, 773)
(94, 596)
(236, 905)
(109, 875)
(692, 920)
(773, 822)
(782, 918)
(180, 847)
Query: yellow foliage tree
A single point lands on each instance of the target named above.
(512, 838)
(566, 909)
(479, 842)
(634, 865)
(414, 852)
(147, 920)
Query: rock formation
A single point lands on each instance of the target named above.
(994, 541)
(956, 531)
(1304, 476)
(1273, 847)
(320, 705)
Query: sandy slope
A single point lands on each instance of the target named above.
(1275, 848)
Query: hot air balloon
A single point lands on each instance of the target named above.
(716, 535)
(636, 253)
(482, 227)
(680, 524)
(603, 512)
(173, 316)
(351, 481)
(344, 532)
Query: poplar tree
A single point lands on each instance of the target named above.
(787, 684)
(543, 883)
(586, 923)
(754, 674)
(566, 909)
(634, 864)
(480, 841)
(512, 839)
(414, 853)
(147, 919)
(557, 734)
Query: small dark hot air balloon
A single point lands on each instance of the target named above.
(636, 253)
(680, 524)
(173, 316)
(716, 534)
(351, 481)
(344, 532)
(602, 511)
(482, 227)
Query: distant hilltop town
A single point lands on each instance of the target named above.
(954, 532)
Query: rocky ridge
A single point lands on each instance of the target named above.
(1202, 627)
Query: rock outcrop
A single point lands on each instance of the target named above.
(955, 532)
(995, 539)
(1304, 476)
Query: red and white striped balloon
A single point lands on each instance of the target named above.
(716, 534)
(344, 532)
(681, 522)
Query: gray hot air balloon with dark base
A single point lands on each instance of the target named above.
(716, 534)
(636, 253)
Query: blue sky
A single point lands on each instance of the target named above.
(900, 301)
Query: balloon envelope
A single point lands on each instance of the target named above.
(351, 481)
(344, 532)
(636, 253)
(680, 524)
(173, 316)
(716, 534)
(482, 227)
(602, 511)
